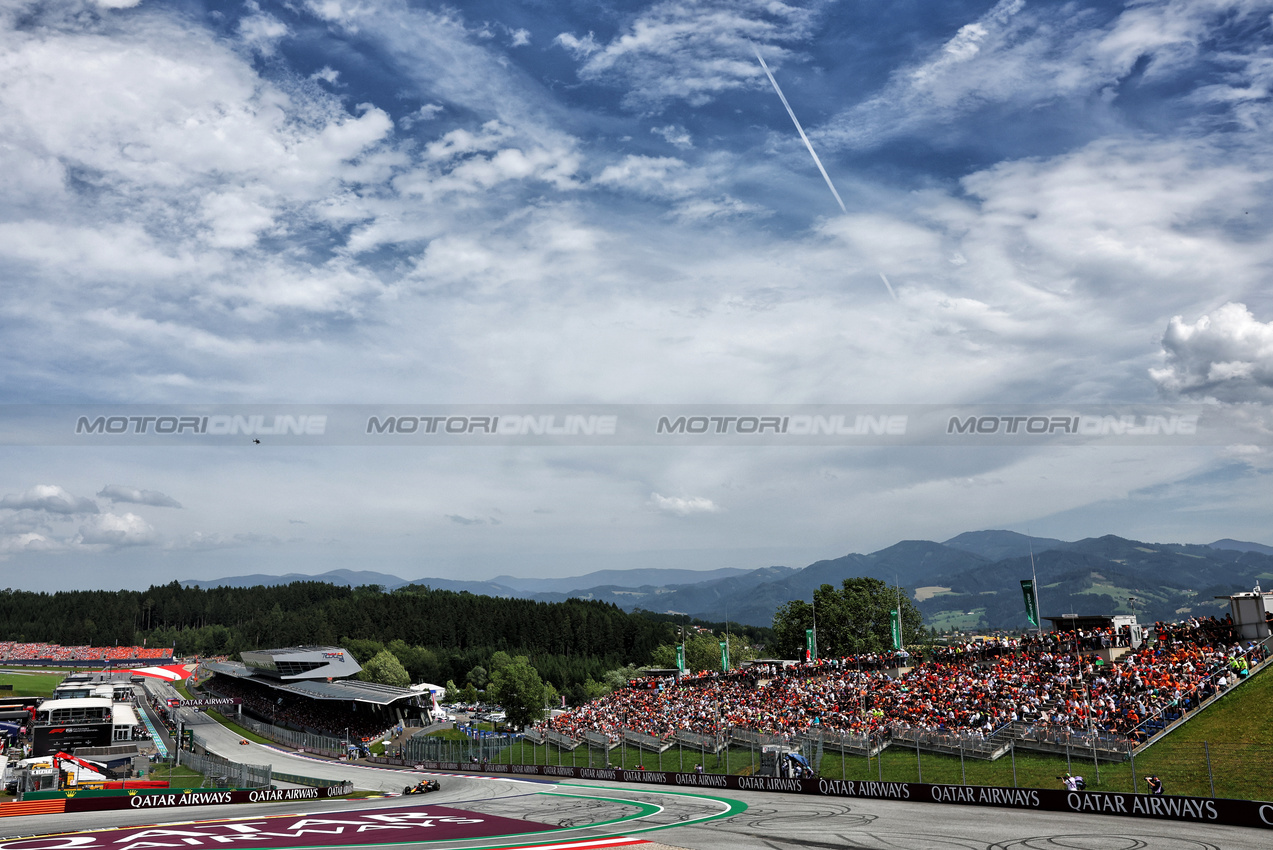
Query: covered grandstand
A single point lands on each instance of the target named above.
(37, 653)
(306, 688)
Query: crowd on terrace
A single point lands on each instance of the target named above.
(15, 651)
(1053, 681)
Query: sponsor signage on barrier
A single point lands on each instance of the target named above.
(178, 799)
(1199, 809)
(205, 702)
(401, 826)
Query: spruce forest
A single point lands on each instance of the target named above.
(438, 635)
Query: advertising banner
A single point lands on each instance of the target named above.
(1031, 602)
(66, 737)
(1161, 807)
(895, 628)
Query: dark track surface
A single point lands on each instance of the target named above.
(695, 820)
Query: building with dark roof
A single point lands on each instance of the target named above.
(309, 688)
(302, 662)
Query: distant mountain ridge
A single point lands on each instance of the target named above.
(1240, 546)
(970, 581)
(639, 577)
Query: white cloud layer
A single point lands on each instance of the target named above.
(684, 506)
(1226, 354)
(49, 498)
(137, 496)
(110, 529)
(1020, 55)
(693, 52)
(374, 201)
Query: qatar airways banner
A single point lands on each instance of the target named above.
(205, 702)
(1197, 809)
(144, 799)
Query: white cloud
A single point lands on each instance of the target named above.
(1036, 55)
(691, 189)
(112, 529)
(137, 496)
(1113, 216)
(49, 498)
(578, 47)
(204, 541)
(692, 51)
(327, 74)
(11, 544)
(675, 135)
(262, 32)
(191, 154)
(1226, 354)
(684, 506)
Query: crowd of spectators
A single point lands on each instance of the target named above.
(15, 651)
(1050, 681)
(324, 717)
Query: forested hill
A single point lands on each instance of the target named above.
(453, 627)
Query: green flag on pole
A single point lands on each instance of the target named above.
(810, 646)
(1031, 602)
(895, 626)
(724, 657)
(680, 657)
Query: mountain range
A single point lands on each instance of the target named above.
(970, 581)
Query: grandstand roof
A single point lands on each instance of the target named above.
(351, 690)
(302, 662)
(346, 690)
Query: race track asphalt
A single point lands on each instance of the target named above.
(695, 820)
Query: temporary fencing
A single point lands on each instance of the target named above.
(223, 773)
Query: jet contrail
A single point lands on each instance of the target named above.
(889, 285)
(812, 152)
(800, 130)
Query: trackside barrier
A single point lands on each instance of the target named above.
(173, 799)
(295, 779)
(1253, 813)
(225, 772)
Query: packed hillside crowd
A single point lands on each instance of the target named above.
(325, 717)
(1049, 681)
(14, 651)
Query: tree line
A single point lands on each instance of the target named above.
(436, 634)
(577, 648)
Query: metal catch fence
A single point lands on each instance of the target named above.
(223, 773)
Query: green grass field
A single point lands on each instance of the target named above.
(39, 684)
(178, 777)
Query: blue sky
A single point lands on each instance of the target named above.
(366, 202)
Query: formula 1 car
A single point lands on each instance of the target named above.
(424, 786)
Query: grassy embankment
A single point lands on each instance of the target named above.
(38, 684)
(1235, 733)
